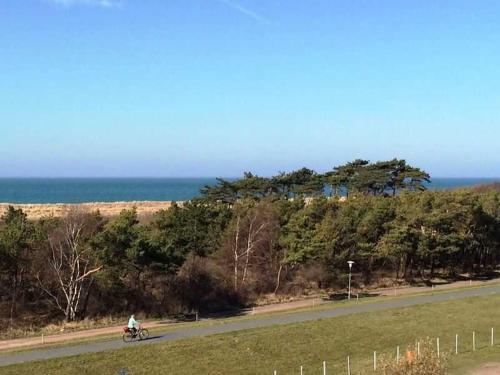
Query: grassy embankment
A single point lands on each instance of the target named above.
(285, 348)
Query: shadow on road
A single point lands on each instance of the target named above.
(153, 338)
(345, 296)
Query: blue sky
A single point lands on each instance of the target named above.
(216, 87)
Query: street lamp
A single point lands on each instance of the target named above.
(350, 263)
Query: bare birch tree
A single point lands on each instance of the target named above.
(69, 261)
(251, 238)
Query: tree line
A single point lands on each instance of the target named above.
(356, 177)
(214, 253)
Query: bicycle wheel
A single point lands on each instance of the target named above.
(128, 337)
(144, 334)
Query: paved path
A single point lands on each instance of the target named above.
(23, 343)
(489, 369)
(242, 325)
(26, 342)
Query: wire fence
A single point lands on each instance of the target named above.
(460, 345)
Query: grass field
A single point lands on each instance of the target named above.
(285, 348)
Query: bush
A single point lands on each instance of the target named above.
(202, 287)
(427, 363)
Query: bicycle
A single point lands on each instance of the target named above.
(139, 334)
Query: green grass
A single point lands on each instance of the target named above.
(285, 348)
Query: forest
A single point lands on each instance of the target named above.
(242, 240)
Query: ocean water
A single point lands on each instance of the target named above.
(79, 190)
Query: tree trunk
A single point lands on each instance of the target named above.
(86, 300)
(13, 300)
(278, 279)
(236, 256)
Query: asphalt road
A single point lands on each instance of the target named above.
(304, 316)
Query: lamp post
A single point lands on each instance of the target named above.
(350, 263)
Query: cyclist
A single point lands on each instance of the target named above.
(133, 324)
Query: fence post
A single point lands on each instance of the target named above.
(437, 345)
(275, 373)
(374, 361)
(301, 370)
(418, 348)
(348, 366)
(456, 344)
(473, 341)
(397, 355)
(43, 340)
(324, 367)
(492, 336)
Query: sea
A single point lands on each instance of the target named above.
(81, 190)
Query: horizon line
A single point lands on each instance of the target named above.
(212, 177)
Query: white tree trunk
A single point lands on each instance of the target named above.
(69, 265)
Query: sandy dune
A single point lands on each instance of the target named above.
(35, 211)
